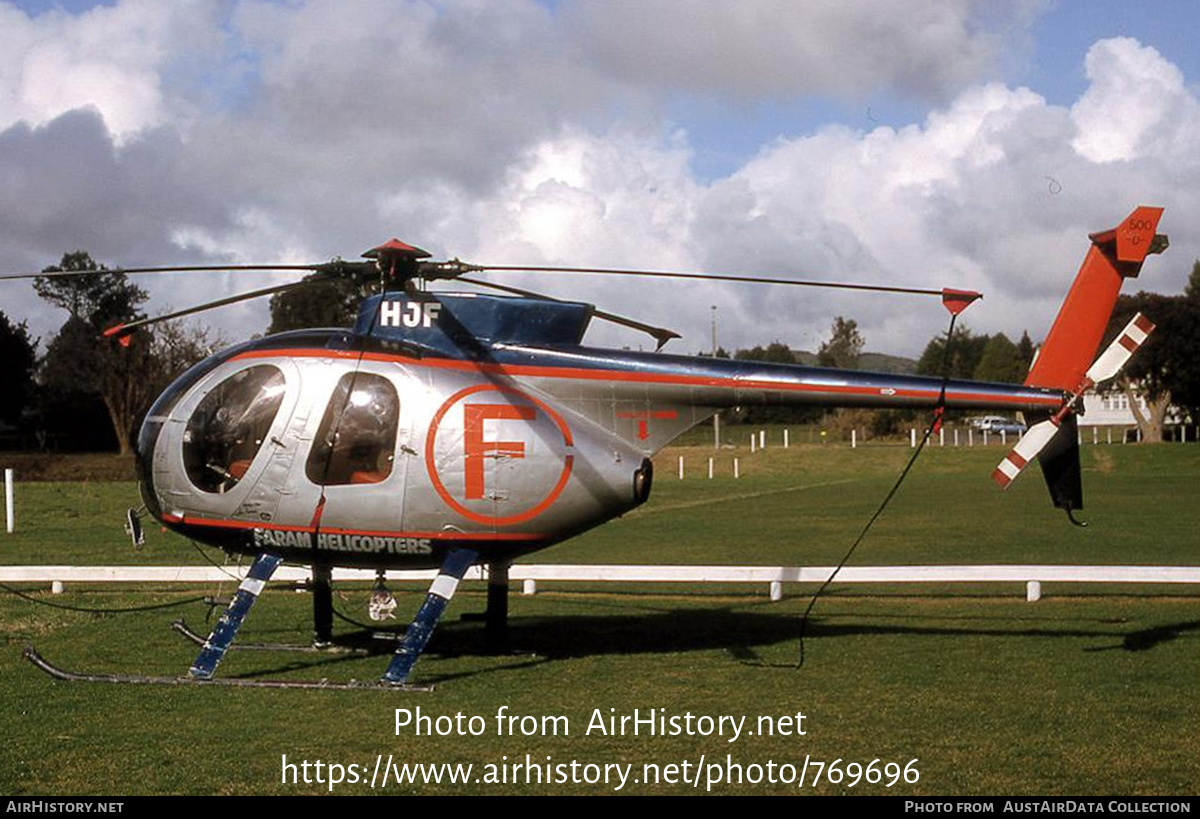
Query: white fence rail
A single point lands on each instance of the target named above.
(1032, 575)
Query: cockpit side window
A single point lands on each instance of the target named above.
(228, 427)
(356, 442)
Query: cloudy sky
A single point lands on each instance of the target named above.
(939, 143)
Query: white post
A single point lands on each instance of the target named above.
(753, 442)
(956, 436)
(56, 587)
(985, 437)
(941, 436)
(736, 471)
(681, 467)
(1003, 437)
(971, 437)
(710, 469)
(785, 438)
(776, 591)
(528, 587)
(762, 439)
(912, 438)
(9, 509)
(1033, 591)
(854, 439)
(1110, 435)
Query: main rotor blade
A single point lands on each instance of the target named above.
(720, 277)
(120, 331)
(58, 274)
(660, 334)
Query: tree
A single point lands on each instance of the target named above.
(1165, 370)
(327, 302)
(776, 353)
(80, 362)
(18, 360)
(966, 350)
(97, 296)
(844, 347)
(1192, 291)
(1025, 350)
(1000, 361)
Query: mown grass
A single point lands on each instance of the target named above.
(1093, 690)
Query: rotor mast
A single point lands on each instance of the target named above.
(398, 262)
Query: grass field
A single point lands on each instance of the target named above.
(1093, 690)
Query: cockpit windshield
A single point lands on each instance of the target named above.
(228, 427)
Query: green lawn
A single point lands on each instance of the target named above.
(1093, 690)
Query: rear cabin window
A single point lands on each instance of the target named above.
(229, 426)
(356, 441)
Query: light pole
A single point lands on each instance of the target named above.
(717, 415)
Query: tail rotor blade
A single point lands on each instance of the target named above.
(1121, 350)
(1041, 434)
(1031, 443)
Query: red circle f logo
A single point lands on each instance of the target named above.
(541, 482)
(475, 447)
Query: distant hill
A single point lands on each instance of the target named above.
(884, 363)
(875, 362)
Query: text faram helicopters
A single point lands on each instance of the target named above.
(449, 429)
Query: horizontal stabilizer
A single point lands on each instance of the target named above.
(1136, 235)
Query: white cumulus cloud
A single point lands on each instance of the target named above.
(517, 132)
(1138, 105)
(110, 58)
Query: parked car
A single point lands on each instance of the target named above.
(996, 424)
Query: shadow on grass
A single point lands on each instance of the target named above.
(1148, 638)
(542, 639)
(739, 633)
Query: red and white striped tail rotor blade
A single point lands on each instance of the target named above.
(1119, 352)
(1031, 443)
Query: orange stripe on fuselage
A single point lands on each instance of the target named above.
(219, 523)
(580, 373)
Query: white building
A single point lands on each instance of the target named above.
(1111, 409)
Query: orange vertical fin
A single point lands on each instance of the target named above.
(1115, 255)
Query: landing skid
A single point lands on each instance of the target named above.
(31, 654)
(199, 639)
(407, 652)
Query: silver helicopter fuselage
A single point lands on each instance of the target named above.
(455, 420)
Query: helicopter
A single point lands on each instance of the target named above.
(446, 429)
